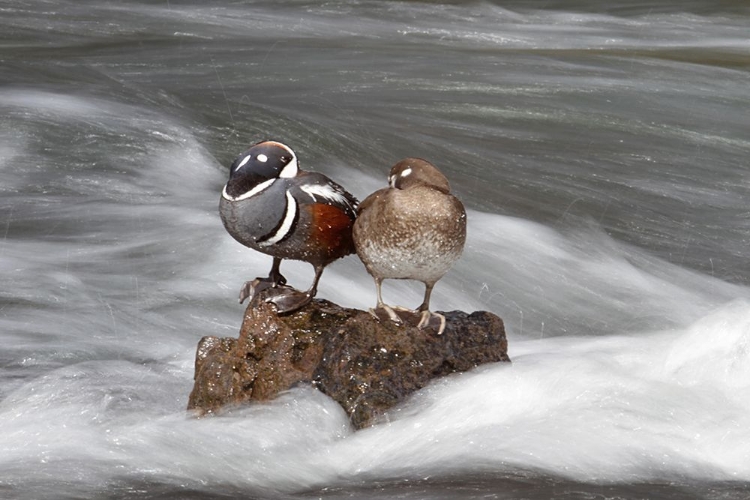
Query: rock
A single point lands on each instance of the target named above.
(367, 366)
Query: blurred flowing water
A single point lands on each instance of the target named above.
(602, 152)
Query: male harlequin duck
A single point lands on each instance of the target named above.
(272, 206)
(415, 229)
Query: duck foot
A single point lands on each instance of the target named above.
(404, 316)
(252, 289)
(285, 298)
(288, 299)
(421, 319)
(383, 311)
(432, 320)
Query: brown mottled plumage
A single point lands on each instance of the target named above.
(414, 229)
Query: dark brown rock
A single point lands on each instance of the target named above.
(367, 366)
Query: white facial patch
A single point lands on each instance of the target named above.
(290, 169)
(243, 162)
(257, 189)
(262, 158)
(392, 181)
(406, 172)
(286, 225)
(326, 192)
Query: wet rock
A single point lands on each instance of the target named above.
(366, 365)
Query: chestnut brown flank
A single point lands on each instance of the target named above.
(333, 230)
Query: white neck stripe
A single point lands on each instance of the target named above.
(286, 224)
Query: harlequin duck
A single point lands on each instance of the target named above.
(272, 206)
(415, 229)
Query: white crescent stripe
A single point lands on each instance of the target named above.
(326, 192)
(290, 169)
(286, 224)
(257, 189)
(242, 163)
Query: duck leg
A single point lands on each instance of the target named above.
(382, 306)
(428, 318)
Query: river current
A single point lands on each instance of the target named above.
(601, 152)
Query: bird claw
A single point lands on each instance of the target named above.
(403, 309)
(389, 312)
(402, 316)
(432, 320)
(374, 314)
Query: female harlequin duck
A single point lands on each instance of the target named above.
(415, 229)
(272, 206)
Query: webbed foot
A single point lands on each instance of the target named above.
(389, 313)
(431, 320)
(252, 289)
(288, 299)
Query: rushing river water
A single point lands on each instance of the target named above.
(602, 154)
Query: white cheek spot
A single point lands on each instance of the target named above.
(262, 158)
(406, 172)
(392, 181)
(243, 162)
